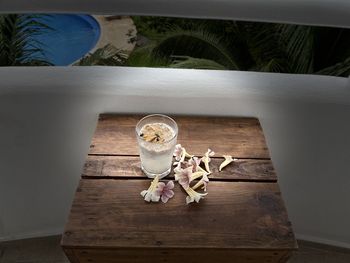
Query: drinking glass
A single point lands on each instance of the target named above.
(156, 136)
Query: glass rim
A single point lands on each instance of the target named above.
(158, 115)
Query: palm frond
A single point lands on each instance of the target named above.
(144, 57)
(195, 63)
(107, 56)
(199, 43)
(263, 46)
(274, 65)
(298, 42)
(339, 69)
(17, 45)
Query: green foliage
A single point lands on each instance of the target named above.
(244, 46)
(198, 43)
(339, 69)
(105, 56)
(143, 57)
(195, 63)
(17, 46)
(159, 25)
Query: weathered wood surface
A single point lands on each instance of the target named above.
(239, 137)
(180, 255)
(71, 255)
(111, 214)
(129, 166)
(243, 218)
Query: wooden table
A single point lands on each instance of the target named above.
(243, 218)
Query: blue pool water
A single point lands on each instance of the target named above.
(71, 38)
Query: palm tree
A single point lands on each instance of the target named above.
(249, 46)
(107, 56)
(17, 45)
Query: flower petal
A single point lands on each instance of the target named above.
(155, 198)
(158, 192)
(169, 193)
(196, 175)
(148, 197)
(164, 198)
(178, 152)
(189, 199)
(185, 183)
(170, 185)
(160, 186)
(143, 193)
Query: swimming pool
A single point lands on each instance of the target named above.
(71, 38)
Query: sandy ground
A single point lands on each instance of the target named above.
(116, 31)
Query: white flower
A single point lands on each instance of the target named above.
(193, 196)
(228, 160)
(150, 194)
(203, 182)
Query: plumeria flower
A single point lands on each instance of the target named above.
(193, 195)
(183, 176)
(165, 191)
(150, 194)
(206, 159)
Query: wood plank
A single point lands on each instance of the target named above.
(71, 255)
(239, 137)
(237, 215)
(129, 166)
(180, 255)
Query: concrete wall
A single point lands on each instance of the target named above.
(48, 115)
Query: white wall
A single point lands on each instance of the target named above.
(48, 115)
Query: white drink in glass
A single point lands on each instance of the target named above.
(156, 136)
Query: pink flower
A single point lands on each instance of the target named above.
(194, 162)
(184, 176)
(165, 191)
(178, 152)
